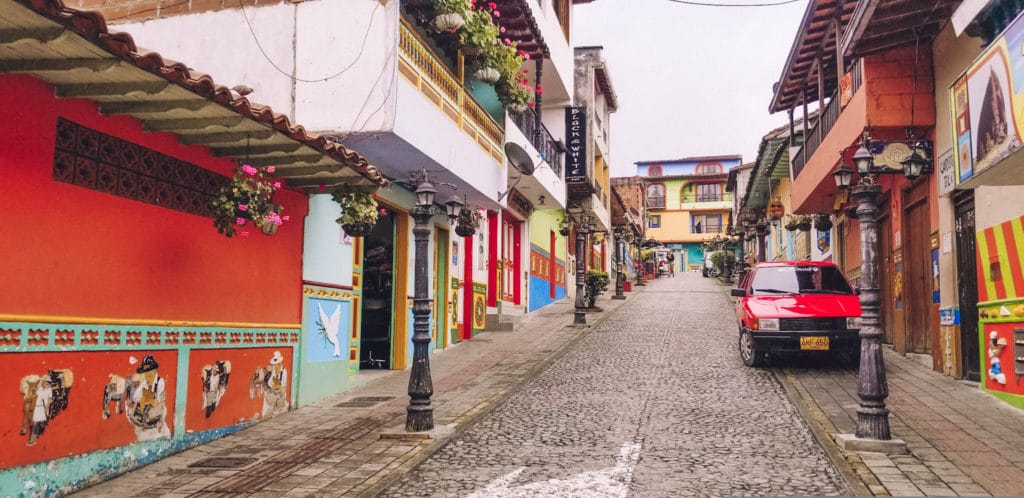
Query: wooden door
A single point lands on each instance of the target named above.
(967, 286)
(509, 256)
(886, 269)
(917, 258)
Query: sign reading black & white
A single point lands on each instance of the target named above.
(576, 143)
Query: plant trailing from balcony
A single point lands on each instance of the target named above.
(822, 222)
(804, 222)
(451, 14)
(467, 222)
(359, 212)
(247, 199)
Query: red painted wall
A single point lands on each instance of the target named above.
(80, 427)
(72, 251)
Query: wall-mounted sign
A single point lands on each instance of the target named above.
(576, 144)
(947, 173)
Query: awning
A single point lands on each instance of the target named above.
(73, 51)
(879, 25)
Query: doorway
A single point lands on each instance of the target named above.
(917, 259)
(440, 301)
(378, 293)
(967, 284)
(892, 328)
(510, 258)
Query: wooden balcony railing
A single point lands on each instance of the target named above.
(826, 120)
(435, 80)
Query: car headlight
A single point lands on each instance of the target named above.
(853, 322)
(768, 324)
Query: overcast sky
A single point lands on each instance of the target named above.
(690, 80)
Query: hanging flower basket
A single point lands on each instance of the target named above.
(822, 222)
(464, 230)
(804, 225)
(791, 225)
(517, 108)
(467, 222)
(358, 212)
(247, 199)
(357, 229)
(851, 211)
(487, 74)
(449, 22)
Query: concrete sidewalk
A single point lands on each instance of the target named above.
(335, 447)
(962, 441)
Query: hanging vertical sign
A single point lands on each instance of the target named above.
(576, 143)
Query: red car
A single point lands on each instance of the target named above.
(797, 306)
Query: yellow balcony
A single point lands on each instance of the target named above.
(423, 69)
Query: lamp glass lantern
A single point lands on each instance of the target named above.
(425, 194)
(914, 165)
(863, 159)
(843, 176)
(454, 206)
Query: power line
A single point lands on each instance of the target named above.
(362, 48)
(713, 4)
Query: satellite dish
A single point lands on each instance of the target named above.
(519, 158)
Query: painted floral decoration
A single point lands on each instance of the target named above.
(246, 200)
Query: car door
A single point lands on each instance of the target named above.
(741, 301)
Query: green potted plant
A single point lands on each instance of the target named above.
(822, 222)
(596, 282)
(467, 222)
(451, 14)
(804, 223)
(247, 198)
(515, 93)
(479, 38)
(792, 222)
(359, 212)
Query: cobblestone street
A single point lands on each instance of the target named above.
(654, 401)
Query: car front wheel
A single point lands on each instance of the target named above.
(750, 356)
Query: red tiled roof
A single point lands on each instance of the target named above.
(93, 27)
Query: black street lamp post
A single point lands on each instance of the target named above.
(640, 260)
(420, 412)
(873, 432)
(582, 230)
(619, 233)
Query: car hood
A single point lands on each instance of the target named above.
(802, 306)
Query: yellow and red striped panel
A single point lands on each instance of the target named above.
(1000, 261)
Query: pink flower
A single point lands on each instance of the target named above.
(497, 14)
(249, 170)
(243, 207)
(508, 41)
(502, 29)
(244, 233)
(531, 104)
(270, 169)
(286, 218)
(277, 184)
(492, 5)
(526, 56)
(322, 187)
(240, 221)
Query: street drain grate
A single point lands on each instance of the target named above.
(222, 462)
(363, 401)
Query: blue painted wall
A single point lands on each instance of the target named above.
(540, 293)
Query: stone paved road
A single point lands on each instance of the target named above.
(653, 402)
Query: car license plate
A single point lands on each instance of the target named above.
(819, 343)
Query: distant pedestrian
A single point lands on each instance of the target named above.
(672, 264)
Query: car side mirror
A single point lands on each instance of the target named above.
(739, 292)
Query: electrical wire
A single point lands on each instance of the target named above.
(362, 49)
(714, 4)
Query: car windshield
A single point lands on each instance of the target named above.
(799, 280)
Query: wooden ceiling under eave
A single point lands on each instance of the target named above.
(813, 52)
(880, 25)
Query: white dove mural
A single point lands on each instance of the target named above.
(331, 326)
(610, 482)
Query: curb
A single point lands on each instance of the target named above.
(469, 418)
(813, 417)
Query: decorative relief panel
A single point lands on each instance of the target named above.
(22, 337)
(95, 160)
